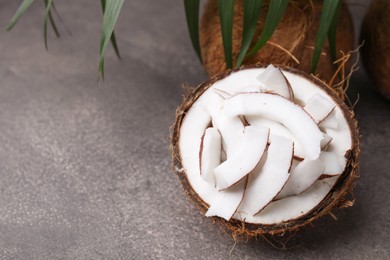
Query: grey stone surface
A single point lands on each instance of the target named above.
(85, 169)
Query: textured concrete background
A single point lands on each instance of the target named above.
(85, 169)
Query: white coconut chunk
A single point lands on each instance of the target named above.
(212, 103)
(231, 129)
(277, 128)
(330, 121)
(222, 93)
(226, 202)
(326, 141)
(295, 206)
(210, 154)
(334, 164)
(248, 155)
(273, 80)
(319, 107)
(266, 181)
(302, 176)
(279, 109)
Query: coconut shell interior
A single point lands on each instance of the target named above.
(338, 196)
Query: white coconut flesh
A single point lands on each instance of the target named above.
(272, 80)
(279, 109)
(253, 143)
(270, 177)
(255, 183)
(319, 107)
(210, 154)
(302, 176)
(277, 128)
(231, 129)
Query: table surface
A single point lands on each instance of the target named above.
(85, 168)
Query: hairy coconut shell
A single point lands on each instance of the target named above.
(294, 37)
(338, 196)
(376, 49)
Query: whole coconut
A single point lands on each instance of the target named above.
(376, 49)
(294, 36)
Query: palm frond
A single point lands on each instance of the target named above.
(192, 16)
(112, 9)
(332, 33)
(251, 15)
(21, 10)
(329, 11)
(275, 13)
(113, 38)
(226, 10)
(48, 17)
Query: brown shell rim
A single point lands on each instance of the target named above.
(339, 196)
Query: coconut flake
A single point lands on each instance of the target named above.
(277, 128)
(326, 141)
(330, 121)
(302, 176)
(223, 94)
(272, 80)
(293, 207)
(231, 129)
(266, 181)
(279, 109)
(334, 165)
(210, 155)
(247, 156)
(226, 202)
(319, 107)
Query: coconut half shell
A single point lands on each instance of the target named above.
(337, 197)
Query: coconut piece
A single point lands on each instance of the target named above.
(302, 176)
(279, 109)
(281, 210)
(272, 80)
(277, 129)
(231, 129)
(266, 181)
(319, 107)
(210, 154)
(326, 141)
(212, 103)
(334, 165)
(330, 121)
(248, 155)
(226, 202)
(222, 93)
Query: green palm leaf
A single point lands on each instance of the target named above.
(21, 10)
(332, 33)
(47, 17)
(192, 15)
(328, 15)
(113, 38)
(275, 13)
(226, 10)
(110, 16)
(251, 15)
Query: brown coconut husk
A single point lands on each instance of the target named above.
(339, 196)
(292, 43)
(376, 48)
